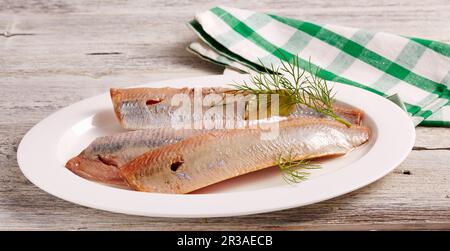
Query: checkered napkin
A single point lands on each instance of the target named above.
(413, 72)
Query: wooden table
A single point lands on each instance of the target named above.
(54, 53)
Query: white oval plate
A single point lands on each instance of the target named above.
(45, 149)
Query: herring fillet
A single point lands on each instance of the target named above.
(144, 108)
(212, 157)
(103, 158)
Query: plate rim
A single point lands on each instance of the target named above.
(194, 212)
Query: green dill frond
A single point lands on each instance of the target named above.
(295, 170)
(293, 87)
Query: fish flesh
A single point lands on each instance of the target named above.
(144, 108)
(103, 158)
(211, 157)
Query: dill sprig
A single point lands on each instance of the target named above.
(294, 170)
(293, 87)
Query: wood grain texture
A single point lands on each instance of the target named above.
(54, 53)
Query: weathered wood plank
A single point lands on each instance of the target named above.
(388, 204)
(54, 53)
(153, 39)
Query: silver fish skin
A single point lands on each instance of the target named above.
(205, 159)
(352, 115)
(145, 108)
(103, 158)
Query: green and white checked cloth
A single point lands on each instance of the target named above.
(415, 70)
